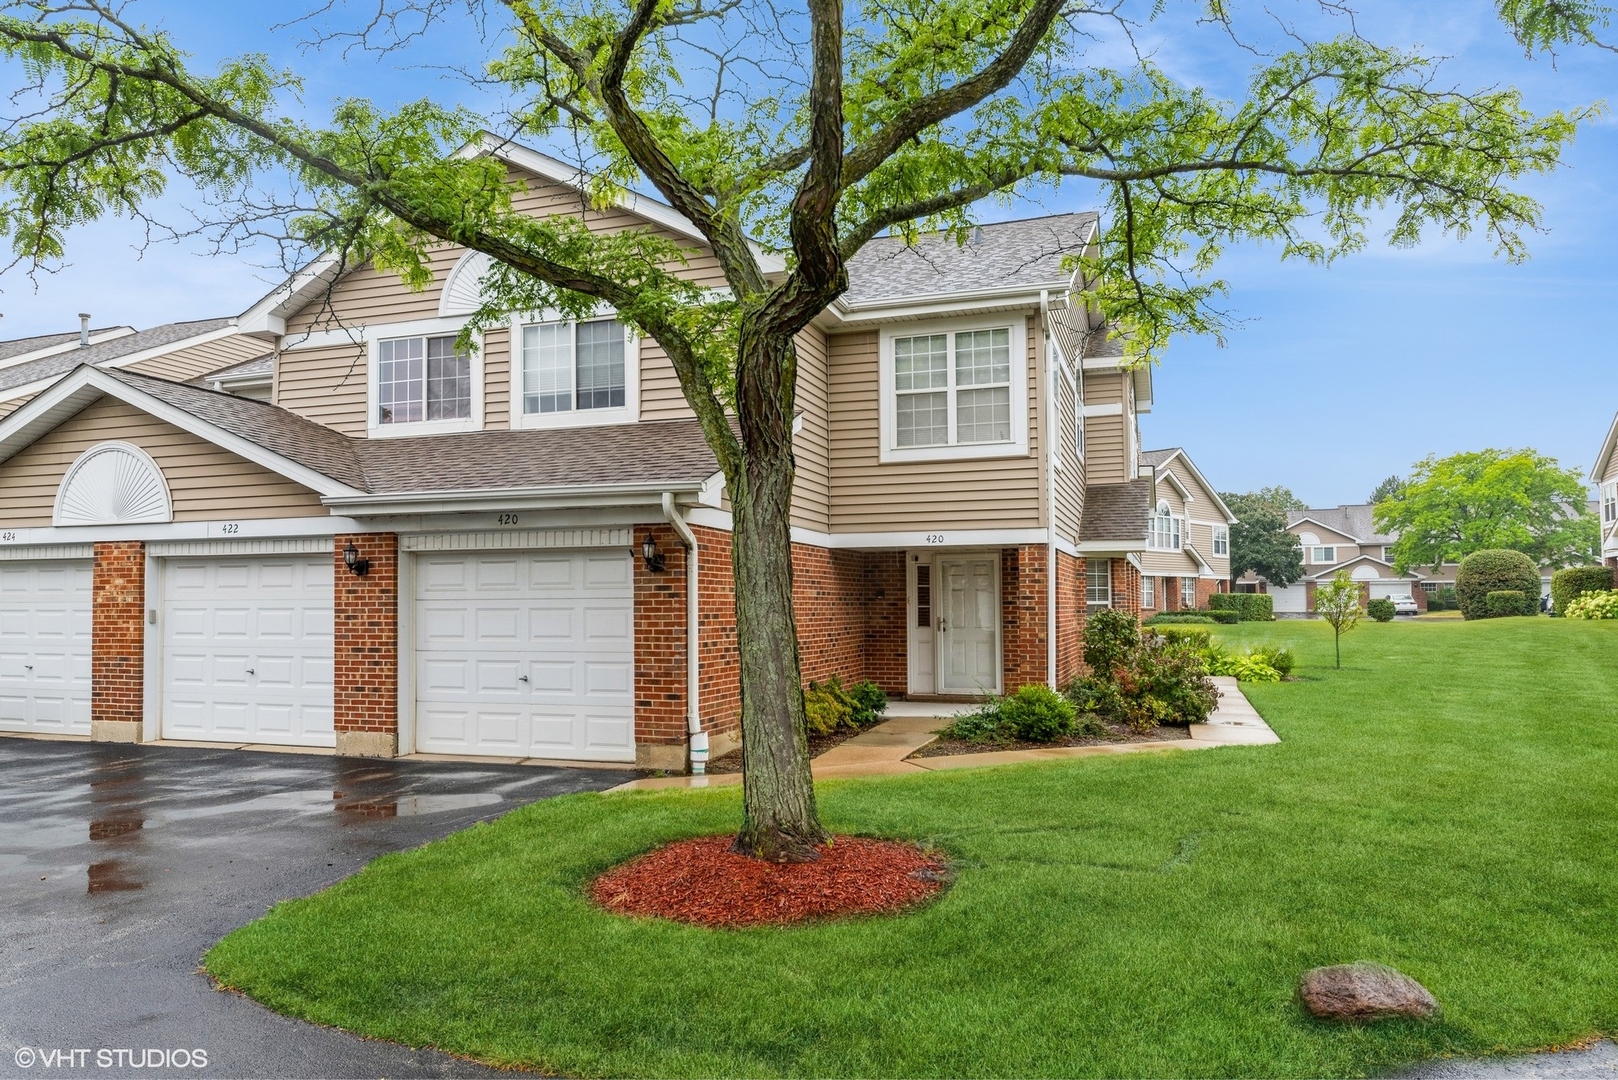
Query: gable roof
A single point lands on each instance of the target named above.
(1353, 520)
(1117, 512)
(1160, 459)
(126, 348)
(1024, 254)
(1409, 575)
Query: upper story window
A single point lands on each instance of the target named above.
(1323, 555)
(1167, 530)
(420, 383)
(1098, 582)
(1221, 540)
(573, 373)
(1609, 503)
(952, 390)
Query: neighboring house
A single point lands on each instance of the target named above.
(525, 552)
(1345, 539)
(1605, 477)
(1187, 556)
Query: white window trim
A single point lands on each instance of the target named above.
(1148, 591)
(1018, 445)
(1322, 560)
(375, 335)
(1188, 593)
(1609, 502)
(1221, 536)
(574, 418)
(1097, 604)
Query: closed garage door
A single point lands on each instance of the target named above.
(1291, 599)
(45, 646)
(526, 654)
(247, 650)
(1389, 589)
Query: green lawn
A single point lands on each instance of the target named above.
(1447, 803)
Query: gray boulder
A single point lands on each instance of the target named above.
(1362, 992)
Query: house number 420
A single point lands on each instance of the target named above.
(935, 538)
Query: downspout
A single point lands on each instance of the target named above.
(1052, 434)
(693, 686)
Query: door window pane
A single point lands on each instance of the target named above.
(547, 368)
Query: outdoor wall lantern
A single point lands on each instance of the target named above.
(653, 557)
(357, 566)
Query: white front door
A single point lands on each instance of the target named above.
(922, 614)
(526, 654)
(45, 646)
(247, 650)
(968, 591)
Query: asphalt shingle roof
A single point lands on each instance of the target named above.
(1118, 512)
(48, 367)
(1352, 520)
(259, 365)
(1027, 252)
(1154, 458)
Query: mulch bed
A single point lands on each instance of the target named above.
(1118, 733)
(703, 882)
(818, 744)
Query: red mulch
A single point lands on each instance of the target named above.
(702, 881)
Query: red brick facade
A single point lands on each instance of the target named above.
(1024, 630)
(660, 653)
(1070, 613)
(118, 640)
(1125, 586)
(721, 699)
(365, 632)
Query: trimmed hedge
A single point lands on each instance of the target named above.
(1504, 603)
(1227, 618)
(1484, 572)
(1576, 581)
(1178, 619)
(1249, 606)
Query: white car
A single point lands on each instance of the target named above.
(1405, 604)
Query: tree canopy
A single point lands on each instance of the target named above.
(1484, 499)
(1259, 540)
(1387, 489)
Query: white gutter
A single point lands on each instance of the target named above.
(1051, 436)
(693, 653)
(535, 498)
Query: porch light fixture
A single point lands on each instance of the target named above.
(357, 566)
(653, 557)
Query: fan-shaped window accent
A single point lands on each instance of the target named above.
(113, 483)
(462, 294)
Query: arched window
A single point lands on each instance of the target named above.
(113, 483)
(1166, 529)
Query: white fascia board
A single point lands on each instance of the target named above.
(1109, 547)
(245, 379)
(268, 316)
(928, 305)
(239, 530)
(643, 206)
(1329, 528)
(1196, 473)
(1604, 458)
(1330, 570)
(1202, 564)
(498, 499)
(939, 539)
(67, 346)
(1109, 408)
(84, 384)
(1174, 482)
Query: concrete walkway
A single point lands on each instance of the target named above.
(885, 749)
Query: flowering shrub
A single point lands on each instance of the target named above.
(1142, 680)
(1593, 605)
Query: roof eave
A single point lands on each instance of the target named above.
(550, 497)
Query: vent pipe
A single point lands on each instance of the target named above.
(84, 330)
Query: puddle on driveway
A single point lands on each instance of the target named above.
(111, 875)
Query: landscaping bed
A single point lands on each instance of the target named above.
(818, 744)
(1117, 733)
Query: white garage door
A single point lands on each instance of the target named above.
(1293, 598)
(45, 646)
(1389, 589)
(247, 650)
(526, 654)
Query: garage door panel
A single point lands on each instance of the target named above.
(45, 646)
(550, 618)
(248, 650)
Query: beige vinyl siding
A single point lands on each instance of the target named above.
(1612, 470)
(867, 495)
(183, 365)
(1070, 477)
(497, 380)
(1202, 539)
(1201, 512)
(9, 407)
(1327, 536)
(206, 482)
(327, 385)
(1171, 563)
(811, 493)
(1106, 443)
(660, 395)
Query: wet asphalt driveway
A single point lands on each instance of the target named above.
(121, 865)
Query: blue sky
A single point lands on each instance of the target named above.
(1339, 376)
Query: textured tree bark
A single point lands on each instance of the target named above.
(780, 822)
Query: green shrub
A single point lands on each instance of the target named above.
(1575, 581)
(1504, 603)
(1435, 600)
(1110, 637)
(1194, 636)
(870, 702)
(1278, 657)
(1175, 618)
(1484, 572)
(1252, 669)
(1036, 713)
(1249, 607)
(1594, 605)
(1227, 618)
(980, 726)
(1159, 682)
(1381, 609)
(827, 707)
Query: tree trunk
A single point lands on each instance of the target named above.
(780, 822)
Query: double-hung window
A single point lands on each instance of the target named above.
(1609, 503)
(954, 391)
(1098, 582)
(570, 367)
(1322, 556)
(1188, 592)
(422, 380)
(1167, 530)
(1221, 540)
(1148, 592)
